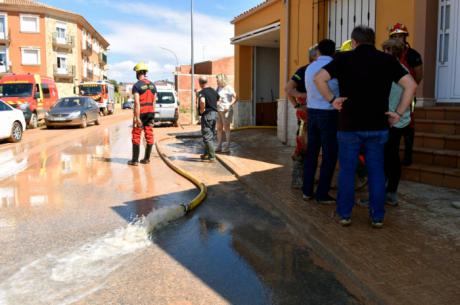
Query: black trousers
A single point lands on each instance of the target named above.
(208, 126)
(392, 158)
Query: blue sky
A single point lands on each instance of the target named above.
(137, 29)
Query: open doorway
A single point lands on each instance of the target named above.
(266, 85)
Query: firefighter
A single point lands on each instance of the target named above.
(412, 60)
(144, 93)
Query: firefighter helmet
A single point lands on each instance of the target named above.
(141, 66)
(399, 28)
(346, 46)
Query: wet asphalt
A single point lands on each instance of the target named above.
(65, 236)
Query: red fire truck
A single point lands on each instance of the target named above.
(102, 92)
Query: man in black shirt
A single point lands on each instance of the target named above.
(296, 93)
(365, 78)
(207, 100)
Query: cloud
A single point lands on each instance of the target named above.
(166, 28)
(123, 70)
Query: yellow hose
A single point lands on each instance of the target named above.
(200, 185)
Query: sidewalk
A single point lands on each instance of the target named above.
(414, 259)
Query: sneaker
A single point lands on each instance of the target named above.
(307, 197)
(345, 222)
(363, 203)
(377, 224)
(392, 199)
(327, 200)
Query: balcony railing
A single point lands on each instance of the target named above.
(5, 38)
(102, 59)
(63, 43)
(64, 74)
(88, 50)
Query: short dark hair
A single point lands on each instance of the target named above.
(326, 47)
(363, 35)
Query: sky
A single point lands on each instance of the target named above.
(138, 30)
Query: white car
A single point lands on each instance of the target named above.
(12, 123)
(167, 106)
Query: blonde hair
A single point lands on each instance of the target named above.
(222, 79)
(395, 46)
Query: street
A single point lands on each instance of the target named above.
(71, 233)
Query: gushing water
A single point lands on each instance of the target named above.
(64, 277)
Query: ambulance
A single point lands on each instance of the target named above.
(102, 92)
(31, 93)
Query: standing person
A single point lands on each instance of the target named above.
(225, 112)
(144, 93)
(297, 95)
(395, 48)
(207, 99)
(365, 76)
(322, 129)
(412, 60)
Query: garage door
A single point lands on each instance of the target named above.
(344, 15)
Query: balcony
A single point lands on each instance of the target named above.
(88, 50)
(102, 59)
(5, 38)
(64, 74)
(63, 43)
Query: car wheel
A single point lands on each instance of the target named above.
(84, 121)
(98, 120)
(16, 132)
(33, 123)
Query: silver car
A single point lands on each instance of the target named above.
(73, 111)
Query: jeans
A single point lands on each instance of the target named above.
(322, 134)
(350, 143)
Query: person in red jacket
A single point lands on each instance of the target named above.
(412, 60)
(144, 92)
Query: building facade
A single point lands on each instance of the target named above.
(276, 35)
(37, 38)
(208, 68)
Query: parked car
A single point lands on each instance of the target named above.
(128, 105)
(166, 106)
(12, 123)
(31, 93)
(73, 111)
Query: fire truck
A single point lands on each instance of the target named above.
(102, 92)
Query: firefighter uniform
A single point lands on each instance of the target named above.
(147, 96)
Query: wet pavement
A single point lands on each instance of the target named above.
(69, 235)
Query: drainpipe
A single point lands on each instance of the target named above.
(286, 65)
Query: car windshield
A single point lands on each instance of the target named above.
(69, 103)
(87, 90)
(16, 90)
(165, 98)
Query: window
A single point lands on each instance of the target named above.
(46, 91)
(30, 23)
(3, 60)
(3, 26)
(62, 63)
(4, 107)
(30, 56)
(61, 30)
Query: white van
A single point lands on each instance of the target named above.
(167, 105)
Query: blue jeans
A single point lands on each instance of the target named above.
(322, 134)
(373, 143)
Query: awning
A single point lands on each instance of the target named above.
(268, 36)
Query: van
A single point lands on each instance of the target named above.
(31, 93)
(166, 105)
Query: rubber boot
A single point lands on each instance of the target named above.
(148, 151)
(212, 152)
(135, 160)
(205, 155)
(297, 173)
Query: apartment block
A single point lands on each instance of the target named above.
(38, 38)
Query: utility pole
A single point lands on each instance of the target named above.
(192, 105)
